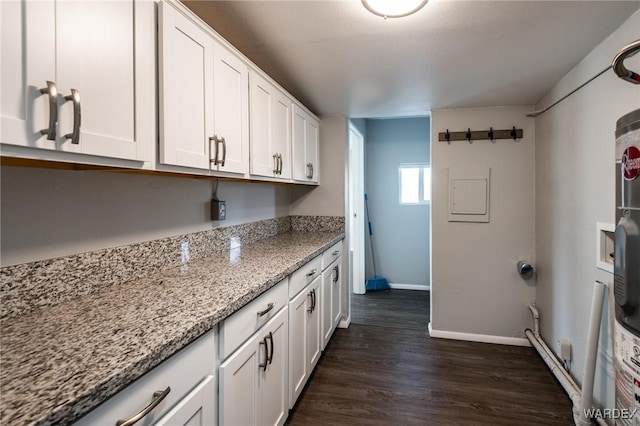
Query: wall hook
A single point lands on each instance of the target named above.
(469, 134)
(513, 133)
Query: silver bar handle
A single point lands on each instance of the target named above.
(52, 91)
(314, 299)
(263, 365)
(275, 164)
(158, 396)
(312, 272)
(224, 150)
(309, 170)
(310, 294)
(77, 116)
(270, 357)
(280, 162)
(270, 306)
(618, 63)
(214, 139)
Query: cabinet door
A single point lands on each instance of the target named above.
(312, 134)
(327, 299)
(263, 156)
(298, 370)
(298, 135)
(195, 409)
(314, 327)
(238, 395)
(186, 90)
(336, 292)
(304, 145)
(98, 53)
(281, 128)
(231, 108)
(27, 49)
(274, 387)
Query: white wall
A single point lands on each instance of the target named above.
(327, 199)
(475, 287)
(49, 213)
(400, 232)
(575, 188)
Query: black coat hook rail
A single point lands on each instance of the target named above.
(477, 135)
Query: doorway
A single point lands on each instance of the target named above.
(393, 169)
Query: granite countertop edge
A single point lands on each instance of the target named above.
(101, 391)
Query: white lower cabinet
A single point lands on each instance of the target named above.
(331, 291)
(304, 337)
(196, 409)
(253, 380)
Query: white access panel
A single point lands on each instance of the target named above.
(469, 194)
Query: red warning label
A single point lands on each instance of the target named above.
(631, 163)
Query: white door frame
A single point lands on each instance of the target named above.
(355, 214)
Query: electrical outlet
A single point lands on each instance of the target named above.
(565, 349)
(218, 210)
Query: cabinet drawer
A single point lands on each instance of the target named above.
(303, 276)
(236, 329)
(332, 254)
(181, 372)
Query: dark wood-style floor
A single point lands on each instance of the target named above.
(406, 309)
(389, 375)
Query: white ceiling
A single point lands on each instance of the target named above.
(338, 58)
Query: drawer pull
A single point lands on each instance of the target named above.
(158, 396)
(269, 307)
(312, 273)
(335, 253)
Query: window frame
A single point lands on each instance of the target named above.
(421, 169)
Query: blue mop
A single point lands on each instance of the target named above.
(377, 282)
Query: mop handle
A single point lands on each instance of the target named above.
(373, 257)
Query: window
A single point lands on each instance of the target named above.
(415, 183)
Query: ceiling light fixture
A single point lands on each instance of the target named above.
(393, 8)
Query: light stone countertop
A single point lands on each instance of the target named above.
(58, 363)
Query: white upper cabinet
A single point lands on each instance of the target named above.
(231, 112)
(79, 76)
(186, 90)
(204, 97)
(270, 129)
(305, 137)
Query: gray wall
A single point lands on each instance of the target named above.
(400, 232)
(575, 188)
(475, 288)
(50, 213)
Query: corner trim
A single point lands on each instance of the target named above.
(482, 338)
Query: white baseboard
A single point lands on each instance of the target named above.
(482, 338)
(410, 286)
